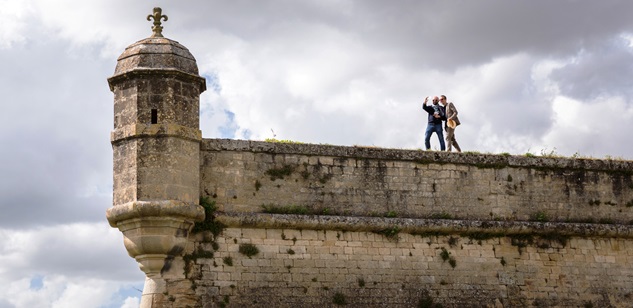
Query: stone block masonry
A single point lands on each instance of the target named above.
(406, 228)
(244, 175)
(309, 268)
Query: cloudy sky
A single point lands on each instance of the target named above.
(536, 76)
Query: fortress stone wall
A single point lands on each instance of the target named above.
(359, 181)
(470, 230)
(235, 223)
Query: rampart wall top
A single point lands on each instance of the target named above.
(479, 160)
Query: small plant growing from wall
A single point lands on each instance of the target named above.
(426, 301)
(540, 217)
(452, 262)
(361, 282)
(446, 256)
(339, 299)
(248, 250)
(325, 178)
(452, 241)
(228, 261)
(279, 173)
(209, 223)
(390, 233)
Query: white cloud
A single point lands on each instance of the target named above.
(131, 302)
(12, 22)
(76, 265)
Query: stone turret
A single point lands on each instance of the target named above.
(156, 143)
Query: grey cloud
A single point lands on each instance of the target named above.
(453, 33)
(601, 70)
(55, 135)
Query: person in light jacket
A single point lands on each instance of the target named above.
(452, 121)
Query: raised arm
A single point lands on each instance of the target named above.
(426, 107)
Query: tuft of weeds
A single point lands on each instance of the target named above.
(521, 241)
(280, 173)
(228, 260)
(286, 141)
(445, 255)
(442, 215)
(391, 214)
(339, 299)
(325, 178)
(248, 250)
(452, 241)
(209, 223)
(540, 217)
(452, 262)
(594, 202)
(361, 282)
(426, 301)
(390, 233)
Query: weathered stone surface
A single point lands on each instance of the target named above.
(422, 226)
(156, 145)
(361, 181)
(156, 52)
(306, 268)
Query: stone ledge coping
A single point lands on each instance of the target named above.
(565, 165)
(139, 130)
(421, 226)
(145, 72)
(162, 209)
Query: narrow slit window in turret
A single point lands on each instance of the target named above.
(154, 116)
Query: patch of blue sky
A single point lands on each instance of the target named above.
(247, 134)
(230, 127)
(213, 82)
(37, 282)
(117, 300)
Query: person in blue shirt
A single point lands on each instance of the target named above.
(437, 114)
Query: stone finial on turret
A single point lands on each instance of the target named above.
(157, 16)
